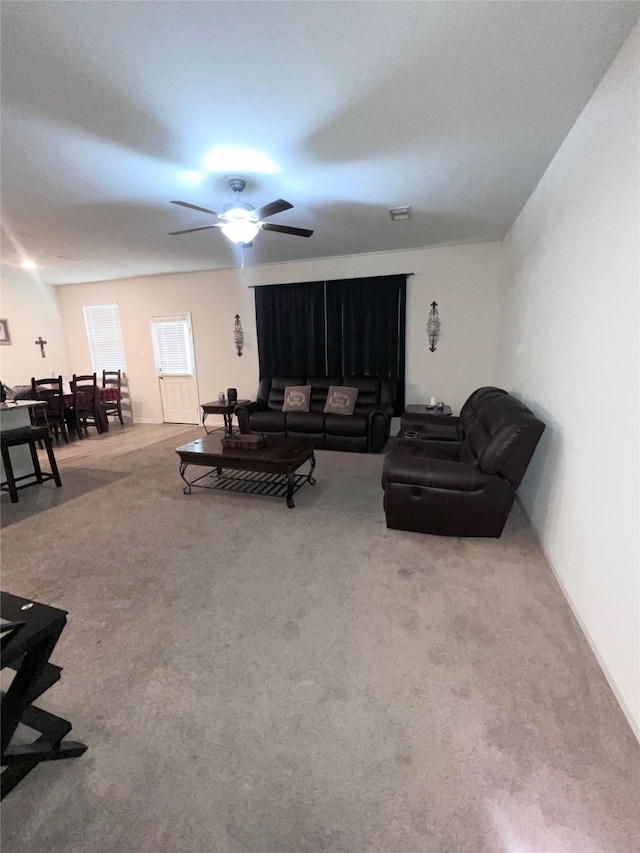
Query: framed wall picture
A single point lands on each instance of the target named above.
(5, 334)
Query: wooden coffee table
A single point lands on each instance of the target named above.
(270, 470)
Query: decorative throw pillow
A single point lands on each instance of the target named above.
(341, 400)
(296, 398)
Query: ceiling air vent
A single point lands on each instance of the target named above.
(400, 213)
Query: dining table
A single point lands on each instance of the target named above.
(108, 394)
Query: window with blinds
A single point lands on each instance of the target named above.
(172, 342)
(105, 337)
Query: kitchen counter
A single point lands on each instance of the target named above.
(13, 416)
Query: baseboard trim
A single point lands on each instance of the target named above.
(633, 723)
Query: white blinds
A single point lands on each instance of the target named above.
(105, 337)
(172, 345)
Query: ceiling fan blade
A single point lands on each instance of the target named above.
(271, 209)
(286, 229)
(194, 207)
(189, 230)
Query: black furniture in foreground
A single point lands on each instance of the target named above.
(26, 648)
(27, 435)
(365, 431)
(462, 484)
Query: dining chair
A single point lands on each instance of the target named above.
(113, 379)
(51, 391)
(85, 403)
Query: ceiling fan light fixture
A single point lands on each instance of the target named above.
(241, 222)
(240, 227)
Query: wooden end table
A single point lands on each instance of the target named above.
(225, 409)
(427, 410)
(270, 470)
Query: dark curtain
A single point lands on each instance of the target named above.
(291, 329)
(366, 328)
(352, 327)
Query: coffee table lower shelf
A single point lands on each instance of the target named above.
(250, 482)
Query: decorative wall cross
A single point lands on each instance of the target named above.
(40, 343)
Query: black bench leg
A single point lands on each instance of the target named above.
(52, 461)
(36, 462)
(8, 469)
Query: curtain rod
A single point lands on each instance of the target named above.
(253, 286)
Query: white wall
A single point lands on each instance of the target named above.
(32, 310)
(464, 280)
(571, 351)
(213, 300)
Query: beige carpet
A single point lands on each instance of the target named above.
(253, 678)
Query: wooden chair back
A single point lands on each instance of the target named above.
(49, 389)
(112, 378)
(84, 388)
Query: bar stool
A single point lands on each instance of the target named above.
(27, 435)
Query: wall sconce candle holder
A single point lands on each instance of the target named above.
(238, 335)
(433, 327)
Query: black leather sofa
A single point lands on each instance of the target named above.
(365, 431)
(462, 484)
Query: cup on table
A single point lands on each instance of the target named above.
(221, 398)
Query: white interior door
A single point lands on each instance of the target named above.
(175, 361)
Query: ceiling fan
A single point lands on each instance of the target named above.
(241, 222)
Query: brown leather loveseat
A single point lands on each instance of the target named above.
(366, 430)
(459, 479)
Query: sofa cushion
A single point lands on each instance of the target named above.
(319, 389)
(341, 400)
(305, 422)
(368, 389)
(296, 398)
(276, 392)
(339, 425)
(267, 421)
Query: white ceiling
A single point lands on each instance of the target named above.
(454, 108)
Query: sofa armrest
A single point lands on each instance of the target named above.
(378, 428)
(243, 411)
(435, 473)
